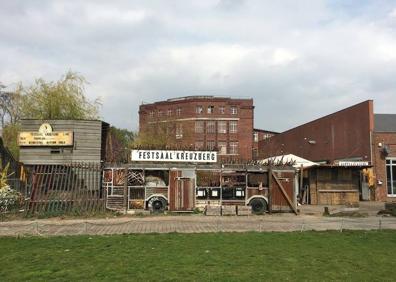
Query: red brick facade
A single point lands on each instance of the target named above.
(345, 135)
(380, 140)
(341, 135)
(203, 122)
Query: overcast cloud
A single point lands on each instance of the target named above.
(298, 60)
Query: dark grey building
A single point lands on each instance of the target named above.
(62, 141)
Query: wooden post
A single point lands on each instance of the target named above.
(270, 190)
(301, 184)
(126, 190)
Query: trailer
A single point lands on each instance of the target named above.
(183, 187)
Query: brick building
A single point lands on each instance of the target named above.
(260, 135)
(202, 122)
(352, 134)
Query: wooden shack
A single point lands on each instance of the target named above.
(334, 185)
(59, 142)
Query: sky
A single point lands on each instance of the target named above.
(298, 60)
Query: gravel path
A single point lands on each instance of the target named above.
(192, 224)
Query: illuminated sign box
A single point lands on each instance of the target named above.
(174, 156)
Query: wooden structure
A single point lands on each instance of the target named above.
(185, 187)
(88, 142)
(334, 185)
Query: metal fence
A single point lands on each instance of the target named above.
(63, 189)
(184, 224)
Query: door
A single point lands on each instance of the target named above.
(181, 192)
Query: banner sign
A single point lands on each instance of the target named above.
(45, 137)
(353, 163)
(174, 156)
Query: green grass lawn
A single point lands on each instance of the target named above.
(317, 256)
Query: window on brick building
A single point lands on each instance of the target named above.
(234, 110)
(199, 145)
(222, 147)
(234, 148)
(159, 113)
(210, 109)
(233, 126)
(178, 111)
(222, 110)
(199, 126)
(210, 145)
(222, 126)
(255, 137)
(169, 112)
(198, 110)
(179, 131)
(151, 114)
(391, 177)
(210, 126)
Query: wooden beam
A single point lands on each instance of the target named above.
(270, 190)
(284, 193)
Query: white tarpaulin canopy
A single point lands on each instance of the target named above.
(298, 161)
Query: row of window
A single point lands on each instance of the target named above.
(211, 126)
(265, 136)
(161, 113)
(222, 146)
(211, 109)
(198, 110)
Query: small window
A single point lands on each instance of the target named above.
(222, 148)
(211, 126)
(169, 112)
(199, 126)
(179, 131)
(234, 148)
(256, 137)
(198, 110)
(210, 145)
(222, 110)
(222, 126)
(210, 109)
(199, 145)
(234, 110)
(178, 111)
(233, 126)
(159, 113)
(151, 114)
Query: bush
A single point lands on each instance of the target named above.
(9, 199)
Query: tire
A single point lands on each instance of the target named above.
(157, 204)
(259, 206)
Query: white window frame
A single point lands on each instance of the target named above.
(233, 126)
(209, 128)
(222, 126)
(234, 148)
(199, 126)
(234, 110)
(178, 111)
(222, 147)
(179, 131)
(199, 110)
(210, 147)
(392, 163)
(210, 110)
(255, 137)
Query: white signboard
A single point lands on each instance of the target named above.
(174, 156)
(353, 163)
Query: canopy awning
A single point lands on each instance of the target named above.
(290, 158)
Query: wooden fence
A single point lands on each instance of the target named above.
(61, 189)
